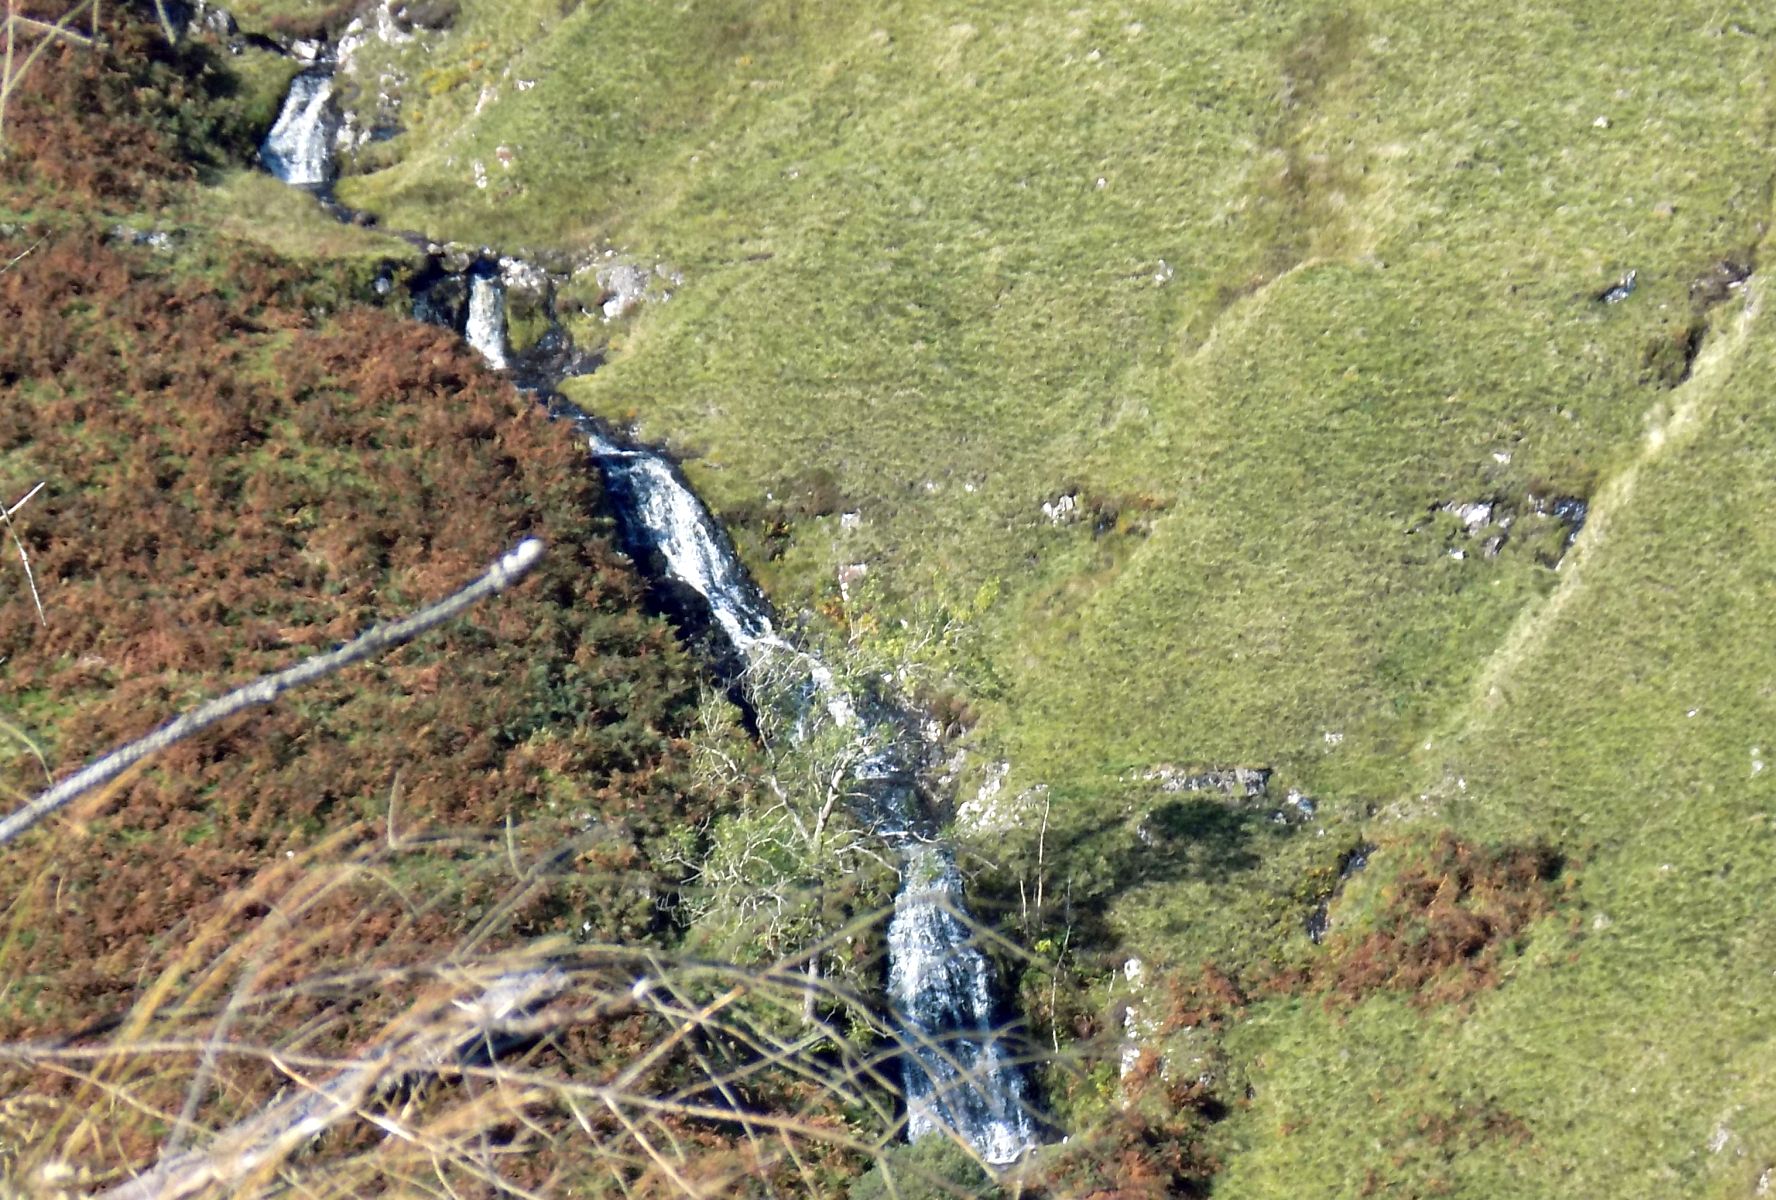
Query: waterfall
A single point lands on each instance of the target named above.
(941, 986)
(486, 326)
(298, 149)
(955, 1073)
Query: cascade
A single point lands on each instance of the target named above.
(485, 328)
(955, 1072)
(299, 148)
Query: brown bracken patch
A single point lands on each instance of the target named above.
(1447, 924)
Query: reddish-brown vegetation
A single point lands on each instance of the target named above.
(1150, 1149)
(239, 472)
(1448, 922)
(220, 502)
(118, 124)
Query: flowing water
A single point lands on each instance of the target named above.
(299, 148)
(955, 1071)
(485, 329)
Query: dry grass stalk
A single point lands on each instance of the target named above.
(626, 1069)
(17, 26)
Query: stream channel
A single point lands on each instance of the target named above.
(942, 995)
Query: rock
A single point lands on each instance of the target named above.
(1319, 919)
(1474, 515)
(1061, 509)
(1234, 782)
(625, 286)
(990, 810)
(849, 575)
(205, 18)
(1718, 283)
(1620, 291)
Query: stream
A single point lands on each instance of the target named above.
(943, 997)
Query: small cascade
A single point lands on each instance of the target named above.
(299, 148)
(485, 327)
(663, 521)
(957, 1074)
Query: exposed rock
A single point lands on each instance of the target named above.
(625, 285)
(1494, 522)
(1718, 283)
(1061, 509)
(1233, 782)
(1570, 511)
(154, 239)
(981, 812)
(1298, 808)
(524, 280)
(1474, 515)
(850, 574)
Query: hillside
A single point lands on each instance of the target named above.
(1366, 399)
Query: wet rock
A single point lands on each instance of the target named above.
(1319, 920)
(1570, 511)
(1620, 290)
(440, 295)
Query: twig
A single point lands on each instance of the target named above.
(508, 570)
(6, 516)
(14, 70)
(14, 260)
(443, 1035)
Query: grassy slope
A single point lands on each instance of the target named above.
(1386, 224)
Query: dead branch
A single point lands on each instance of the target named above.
(507, 571)
(443, 1034)
(6, 515)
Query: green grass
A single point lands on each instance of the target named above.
(1383, 228)
(252, 207)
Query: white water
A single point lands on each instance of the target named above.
(941, 986)
(486, 326)
(954, 1072)
(299, 147)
